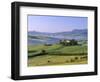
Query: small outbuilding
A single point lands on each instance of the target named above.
(67, 42)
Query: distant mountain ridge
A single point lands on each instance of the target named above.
(78, 34)
(75, 30)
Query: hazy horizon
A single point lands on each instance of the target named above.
(53, 24)
(56, 32)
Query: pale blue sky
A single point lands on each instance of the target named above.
(53, 24)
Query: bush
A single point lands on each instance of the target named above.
(48, 61)
(76, 58)
(43, 51)
(72, 60)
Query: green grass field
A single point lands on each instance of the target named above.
(56, 54)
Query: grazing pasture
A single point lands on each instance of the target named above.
(57, 54)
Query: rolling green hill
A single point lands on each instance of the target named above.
(40, 55)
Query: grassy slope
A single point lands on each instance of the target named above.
(54, 60)
(51, 59)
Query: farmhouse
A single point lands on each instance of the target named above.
(67, 42)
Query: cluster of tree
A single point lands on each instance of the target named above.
(68, 42)
(47, 44)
